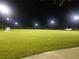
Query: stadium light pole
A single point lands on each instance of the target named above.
(8, 19)
(51, 23)
(16, 24)
(36, 25)
(76, 19)
(4, 10)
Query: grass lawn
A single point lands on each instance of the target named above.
(21, 43)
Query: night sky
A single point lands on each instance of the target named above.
(40, 11)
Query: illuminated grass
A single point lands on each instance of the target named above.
(20, 43)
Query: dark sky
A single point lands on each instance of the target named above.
(30, 11)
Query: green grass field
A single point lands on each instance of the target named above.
(21, 43)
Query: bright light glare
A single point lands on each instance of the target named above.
(7, 19)
(16, 23)
(52, 22)
(4, 9)
(36, 24)
(76, 17)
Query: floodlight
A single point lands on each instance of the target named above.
(7, 19)
(4, 9)
(76, 17)
(75, 20)
(16, 23)
(36, 24)
(52, 22)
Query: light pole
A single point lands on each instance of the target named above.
(16, 24)
(7, 19)
(36, 25)
(52, 24)
(4, 10)
(76, 19)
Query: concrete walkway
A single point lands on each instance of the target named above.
(71, 53)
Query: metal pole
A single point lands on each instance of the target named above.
(2, 22)
(76, 25)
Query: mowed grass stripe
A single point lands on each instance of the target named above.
(20, 43)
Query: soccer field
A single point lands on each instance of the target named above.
(21, 43)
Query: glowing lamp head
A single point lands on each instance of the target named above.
(16, 23)
(36, 24)
(76, 17)
(4, 9)
(52, 22)
(7, 19)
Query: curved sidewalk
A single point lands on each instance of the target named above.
(71, 53)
